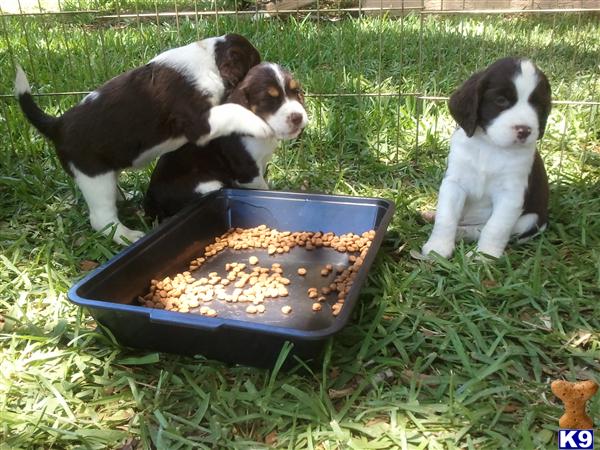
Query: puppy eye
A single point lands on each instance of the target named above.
(501, 101)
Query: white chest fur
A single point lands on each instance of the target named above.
(261, 151)
(485, 170)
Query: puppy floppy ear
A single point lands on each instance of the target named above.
(240, 96)
(235, 65)
(464, 103)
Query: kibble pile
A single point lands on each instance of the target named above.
(252, 283)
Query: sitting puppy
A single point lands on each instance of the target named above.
(233, 161)
(144, 113)
(495, 185)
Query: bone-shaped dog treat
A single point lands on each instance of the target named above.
(575, 396)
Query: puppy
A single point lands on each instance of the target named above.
(495, 185)
(233, 161)
(144, 113)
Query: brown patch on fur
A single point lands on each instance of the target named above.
(273, 91)
(234, 56)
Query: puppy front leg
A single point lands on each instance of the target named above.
(496, 232)
(449, 210)
(230, 118)
(100, 193)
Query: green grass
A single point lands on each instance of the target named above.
(449, 354)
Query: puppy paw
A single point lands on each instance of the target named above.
(254, 126)
(475, 256)
(490, 250)
(232, 118)
(125, 236)
(442, 248)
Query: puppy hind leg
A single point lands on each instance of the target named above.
(100, 193)
(527, 227)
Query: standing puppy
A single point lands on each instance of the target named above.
(144, 113)
(182, 176)
(495, 185)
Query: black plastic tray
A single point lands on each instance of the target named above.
(110, 291)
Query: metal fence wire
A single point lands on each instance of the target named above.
(377, 73)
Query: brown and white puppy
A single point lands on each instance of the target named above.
(495, 185)
(144, 113)
(233, 161)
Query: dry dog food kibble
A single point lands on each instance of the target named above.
(256, 285)
(336, 309)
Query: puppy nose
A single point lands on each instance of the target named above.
(295, 118)
(523, 131)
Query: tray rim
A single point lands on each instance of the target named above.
(202, 323)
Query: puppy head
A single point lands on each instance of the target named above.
(272, 93)
(234, 56)
(510, 101)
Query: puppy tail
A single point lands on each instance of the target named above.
(46, 124)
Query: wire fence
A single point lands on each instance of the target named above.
(376, 72)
